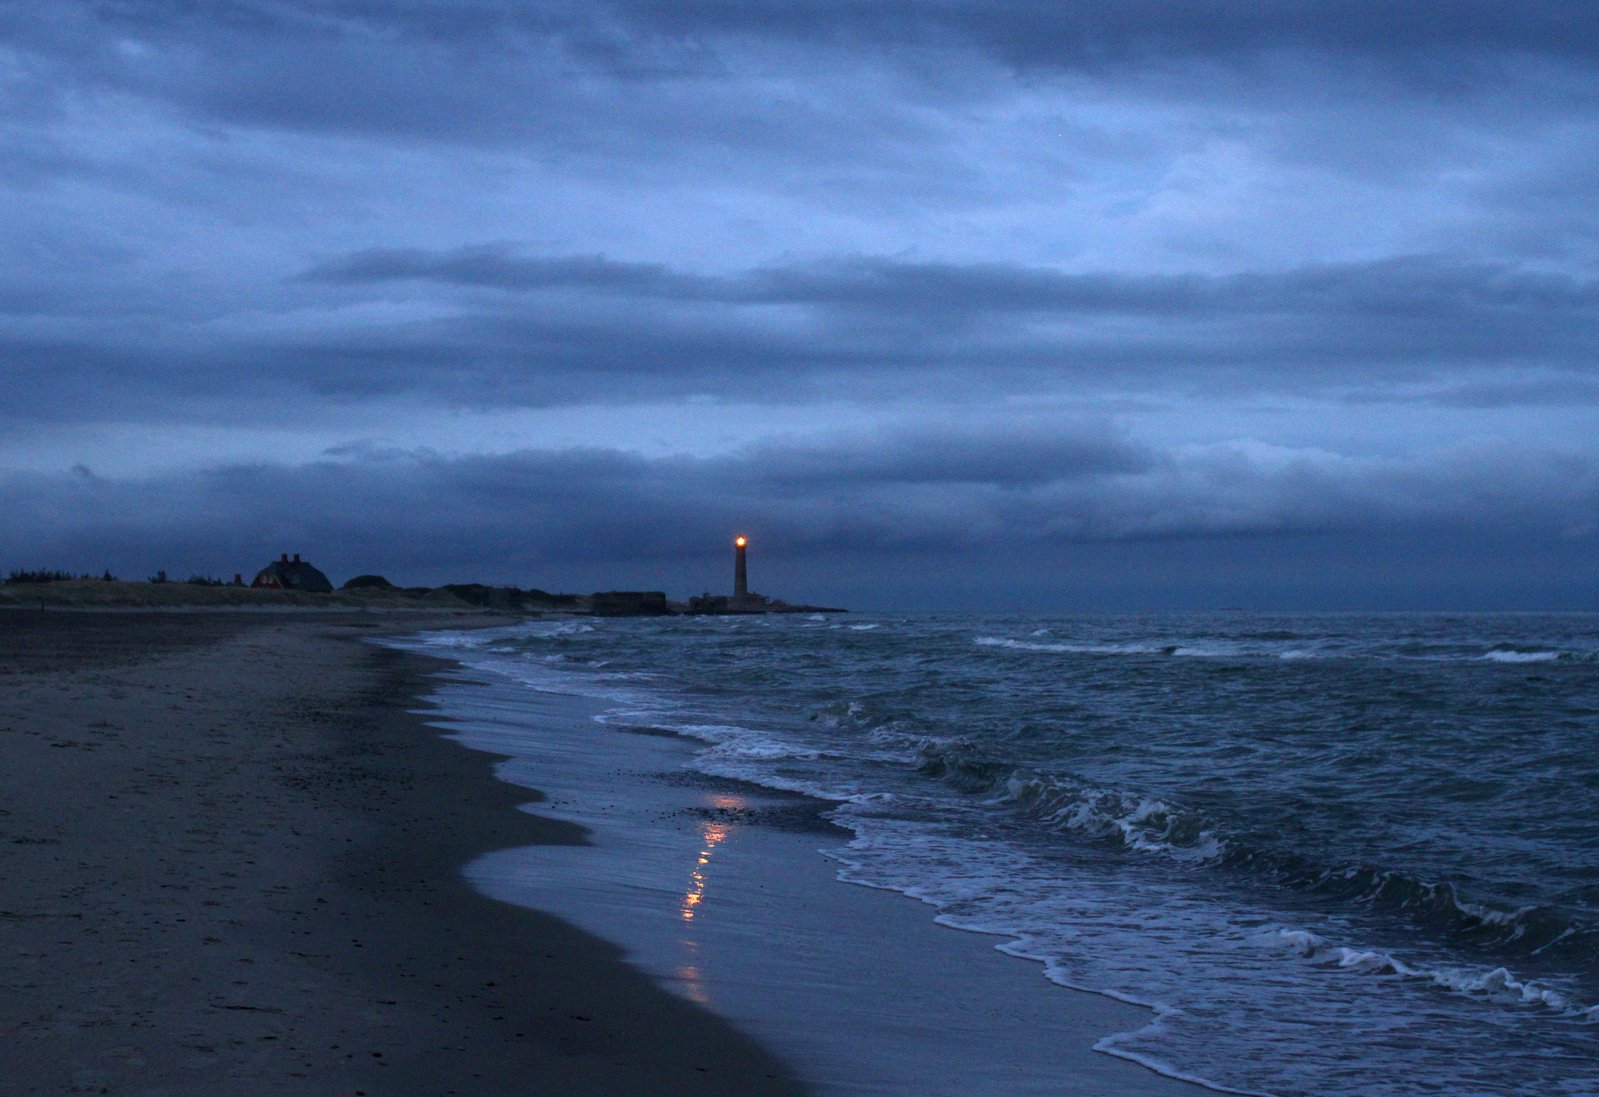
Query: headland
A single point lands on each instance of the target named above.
(293, 582)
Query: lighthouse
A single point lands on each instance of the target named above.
(741, 600)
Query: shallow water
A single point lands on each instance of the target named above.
(717, 889)
(1338, 854)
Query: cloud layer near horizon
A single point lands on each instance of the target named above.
(500, 282)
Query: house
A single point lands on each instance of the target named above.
(295, 574)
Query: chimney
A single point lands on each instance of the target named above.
(297, 558)
(285, 559)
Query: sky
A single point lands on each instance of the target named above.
(947, 305)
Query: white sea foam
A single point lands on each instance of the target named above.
(1494, 917)
(743, 743)
(1073, 649)
(1149, 825)
(1188, 651)
(1522, 656)
(1498, 983)
(455, 641)
(1039, 640)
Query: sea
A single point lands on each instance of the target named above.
(1330, 853)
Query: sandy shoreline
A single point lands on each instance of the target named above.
(230, 864)
(721, 890)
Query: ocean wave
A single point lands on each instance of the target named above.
(539, 636)
(888, 727)
(1510, 655)
(1497, 983)
(1189, 649)
(736, 743)
(451, 641)
(1148, 824)
(1523, 930)
(1270, 647)
(1498, 653)
(1136, 822)
(1085, 649)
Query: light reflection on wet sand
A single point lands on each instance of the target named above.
(712, 834)
(852, 985)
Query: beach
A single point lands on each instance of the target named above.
(231, 864)
(237, 860)
(447, 852)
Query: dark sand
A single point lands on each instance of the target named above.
(230, 864)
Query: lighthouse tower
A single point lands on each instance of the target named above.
(741, 583)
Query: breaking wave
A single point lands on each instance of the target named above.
(1151, 825)
(1497, 983)
(1278, 646)
(1092, 649)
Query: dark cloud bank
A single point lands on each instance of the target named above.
(542, 331)
(944, 521)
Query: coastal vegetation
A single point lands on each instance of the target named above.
(69, 589)
(51, 575)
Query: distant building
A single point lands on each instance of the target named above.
(628, 603)
(744, 600)
(295, 574)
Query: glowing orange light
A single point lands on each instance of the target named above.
(712, 834)
(740, 542)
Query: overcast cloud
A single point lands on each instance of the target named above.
(957, 304)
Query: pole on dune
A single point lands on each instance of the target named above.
(741, 585)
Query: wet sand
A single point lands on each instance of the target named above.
(230, 863)
(722, 891)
